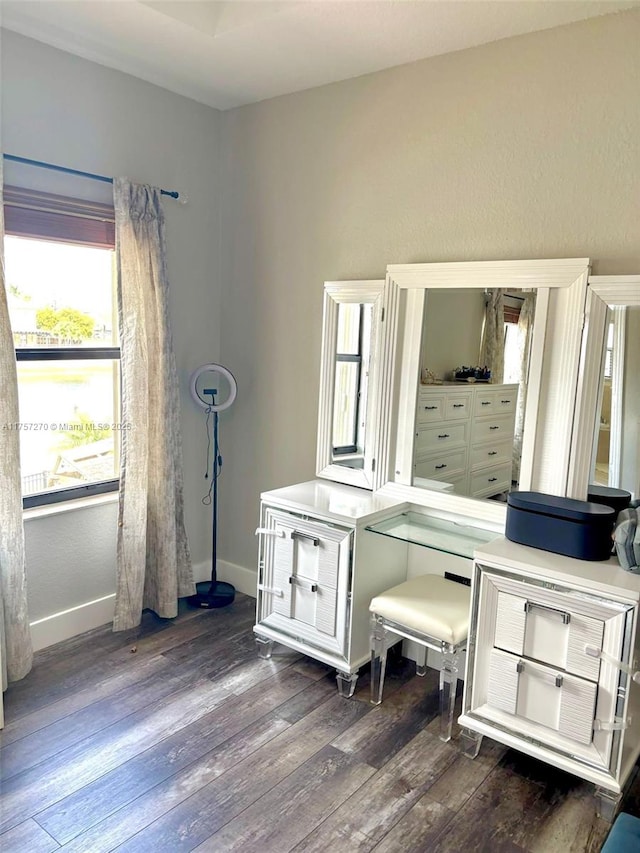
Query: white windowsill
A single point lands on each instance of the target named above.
(69, 506)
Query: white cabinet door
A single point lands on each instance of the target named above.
(305, 580)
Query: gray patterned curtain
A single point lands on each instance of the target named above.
(525, 328)
(153, 560)
(492, 350)
(15, 634)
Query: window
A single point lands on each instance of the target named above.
(60, 281)
(352, 374)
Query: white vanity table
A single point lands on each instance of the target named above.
(328, 546)
(531, 685)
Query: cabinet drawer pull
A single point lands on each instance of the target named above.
(440, 467)
(458, 405)
(272, 590)
(492, 453)
(492, 479)
(520, 666)
(298, 534)
(485, 403)
(566, 617)
(505, 401)
(444, 435)
(494, 427)
(270, 531)
(310, 585)
(559, 680)
(430, 408)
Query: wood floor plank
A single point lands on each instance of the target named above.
(28, 793)
(366, 817)
(40, 746)
(418, 829)
(27, 837)
(100, 797)
(464, 776)
(198, 817)
(281, 818)
(156, 802)
(394, 723)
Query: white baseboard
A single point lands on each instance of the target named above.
(245, 580)
(68, 623)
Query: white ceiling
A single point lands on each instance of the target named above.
(226, 54)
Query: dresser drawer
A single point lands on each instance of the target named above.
(552, 632)
(495, 402)
(532, 691)
(431, 408)
(491, 481)
(443, 466)
(446, 435)
(495, 453)
(492, 429)
(457, 407)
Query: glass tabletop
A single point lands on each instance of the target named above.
(437, 533)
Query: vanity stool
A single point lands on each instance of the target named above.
(433, 612)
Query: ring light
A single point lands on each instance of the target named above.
(209, 404)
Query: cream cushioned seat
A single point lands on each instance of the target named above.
(433, 612)
(429, 604)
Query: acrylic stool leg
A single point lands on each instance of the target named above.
(378, 659)
(421, 663)
(448, 684)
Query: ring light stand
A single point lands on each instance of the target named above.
(213, 593)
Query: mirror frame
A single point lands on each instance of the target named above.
(603, 292)
(368, 292)
(561, 286)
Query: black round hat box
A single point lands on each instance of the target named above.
(617, 499)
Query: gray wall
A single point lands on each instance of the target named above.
(525, 148)
(63, 109)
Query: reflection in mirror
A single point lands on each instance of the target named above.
(615, 457)
(353, 358)
(474, 363)
(347, 412)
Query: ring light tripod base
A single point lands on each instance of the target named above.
(212, 595)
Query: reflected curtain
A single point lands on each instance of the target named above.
(153, 560)
(492, 349)
(15, 634)
(525, 328)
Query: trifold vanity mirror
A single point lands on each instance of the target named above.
(347, 431)
(606, 449)
(430, 307)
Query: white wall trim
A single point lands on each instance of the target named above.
(69, 623)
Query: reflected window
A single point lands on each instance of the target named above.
(351, 379)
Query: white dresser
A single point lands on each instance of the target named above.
(318, 569)
(464, 436)
(550, 640)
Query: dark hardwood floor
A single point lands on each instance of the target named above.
(177, 737)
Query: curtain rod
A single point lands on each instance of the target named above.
(67, 171)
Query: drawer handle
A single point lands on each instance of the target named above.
(310, 585)
(277, 592)
(458, 405)
(492, 453)
(430, 408)
(298, 534)
(505, 401)
(520, 666)
(485, 403)
(444, 435)
(492, 479)
(269, 531)
(440, 467)
(559, 680)
(529, 605)
(494, 427)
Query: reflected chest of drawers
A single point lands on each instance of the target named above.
(553, 646)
